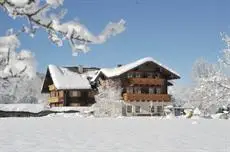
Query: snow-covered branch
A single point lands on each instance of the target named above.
(41, 15)
(19, 82)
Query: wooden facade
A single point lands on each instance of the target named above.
(59, 98)
(146, 82)
(67, 97)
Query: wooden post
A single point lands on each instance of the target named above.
(64, 103)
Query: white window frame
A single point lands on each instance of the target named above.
(158, 90)
(158, 75)
(152, 109)
(137, 90)
(130, 75)
(149, 75)
(159, 107)
(138, 107)
(129, 106)
(152, 90)
(129, 90)
(138, 74)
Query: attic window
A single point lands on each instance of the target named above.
(150, 75)
(130, 75)
(138, 74)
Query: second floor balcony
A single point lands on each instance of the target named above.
(146, 97)
(146, 81)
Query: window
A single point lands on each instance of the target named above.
(138, 74)
(137, 90)
(52, 94)
(152, 110)
(137, 109)
(129, 109)
(56, 94)
(151, 90)
(149, 75)
(158, 75)
(158, 90)
(75, 93)
(130, 75)
(159, 109)
(61, 94)
(129, 90)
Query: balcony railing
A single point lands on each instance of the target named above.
(146, 97)
(55, 99)
(146, 81)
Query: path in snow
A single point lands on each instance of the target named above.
(59, 134)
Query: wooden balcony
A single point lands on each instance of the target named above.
(146, 97)
(55, 99)
(146, 81)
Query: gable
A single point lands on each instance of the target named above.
(65, 79)
(117, 71)
(46, 82)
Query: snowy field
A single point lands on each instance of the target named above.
(72, 134)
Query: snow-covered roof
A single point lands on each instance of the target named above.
(90, 74)
(63, 78)
(112, 72)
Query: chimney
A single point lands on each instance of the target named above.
(119, 65)
(80, 69)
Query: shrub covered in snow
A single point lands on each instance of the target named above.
(108, 99)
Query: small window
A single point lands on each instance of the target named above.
(158, 90)
(159, 109)
(137, 109)
(158, 75)
(152, 110)
(129, 90)
(52, 94)
(138, 74)
(130, 75)
(151, 90)
(56, 94)
(75, 93)
(137, 90)
(129, 109)
(149, 75)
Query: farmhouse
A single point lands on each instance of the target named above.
(144, 85)
(69, 86)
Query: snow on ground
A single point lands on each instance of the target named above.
(23, 107)
(41, 107)
(81, 109)
(71, 134)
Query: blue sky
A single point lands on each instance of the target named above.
(175, 33)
